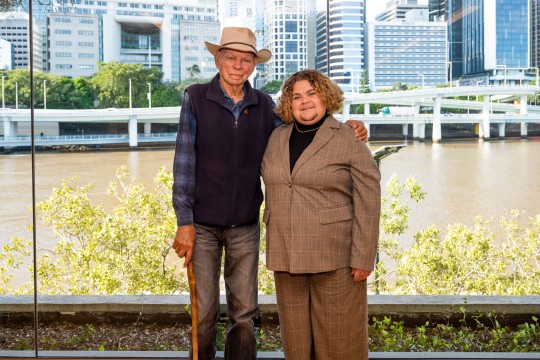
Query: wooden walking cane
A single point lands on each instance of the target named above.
(194, 311)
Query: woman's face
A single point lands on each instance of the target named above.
(307, 107)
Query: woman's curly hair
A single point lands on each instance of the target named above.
(328, 91)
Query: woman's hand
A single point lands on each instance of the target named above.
(360, 275)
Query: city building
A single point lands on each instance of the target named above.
(14, 28)
(490, 42)
(236, 13)
(535, 33)
(73, 44)
(166, 35)
(192, 35)
(396, 9)
(286, 36)
(496, 42)
(6, 55)
(411, 53)
(339, 38)
(321, 56)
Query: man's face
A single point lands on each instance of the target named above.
(235, 67)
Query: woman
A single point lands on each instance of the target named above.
(322, 216)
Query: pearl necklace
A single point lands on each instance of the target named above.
(305, 131)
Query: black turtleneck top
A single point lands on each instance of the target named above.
(301, 137)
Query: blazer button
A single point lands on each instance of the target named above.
(290, 185)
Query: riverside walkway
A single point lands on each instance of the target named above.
(490, 113)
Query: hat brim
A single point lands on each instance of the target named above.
(261, 56)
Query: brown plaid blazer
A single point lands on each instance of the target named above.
(325, 214)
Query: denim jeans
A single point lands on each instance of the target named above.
(241, 246)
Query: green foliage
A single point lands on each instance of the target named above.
(193, 70)
(395, 209)
(365, 86)
(473, 260)
(12, 257)
(181, 88)
(111, 83)
(125, 252)
(272, 87)
(481, 336)
(466, 260)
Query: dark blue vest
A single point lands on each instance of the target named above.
(229, 154)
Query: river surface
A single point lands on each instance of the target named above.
(462, 179)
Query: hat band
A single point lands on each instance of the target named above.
(239, 43)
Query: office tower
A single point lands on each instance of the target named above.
(411, 53)
(438, 10)
(236, 13)
(6, 55)
(339, 39)
(396, 9)
(74, 40)
(535, 33)
(321, 55)
(14, 28)
(496, 37)
(286, 36)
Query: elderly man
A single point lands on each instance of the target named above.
(222, 134)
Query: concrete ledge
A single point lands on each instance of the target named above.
(183, 355)
(172, 308)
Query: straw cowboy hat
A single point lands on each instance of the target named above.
(239, 39)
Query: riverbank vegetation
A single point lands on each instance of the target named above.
(126, 250)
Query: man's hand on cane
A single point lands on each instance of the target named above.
(184, 241)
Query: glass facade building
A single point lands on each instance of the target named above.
(495, 35)
(286, 36)
(346, 41)
(414, 54)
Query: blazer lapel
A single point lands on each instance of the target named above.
(324, 134)
(284, 149)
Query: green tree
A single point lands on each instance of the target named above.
(83, 95)
(398, 86)
(112, 80)
(194, 70)
(166, 95)
(365, 86)
(272, 87)
(181, 87)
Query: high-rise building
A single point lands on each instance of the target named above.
(6, 55)
(14, 28)
(321, 56)
(410, 53)
(236, 13)
(496, 39)
(286, 36)
(74, 44)
(535, 33)
(192, 35)
(343, 42)
(396, 9)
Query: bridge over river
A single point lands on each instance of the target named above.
(490, 113)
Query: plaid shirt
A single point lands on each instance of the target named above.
(184, 171)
